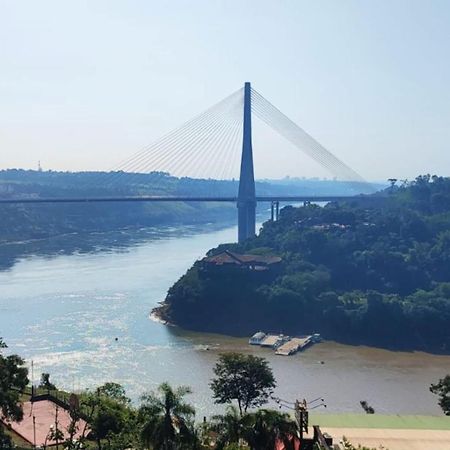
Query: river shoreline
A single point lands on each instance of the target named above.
(157, 315)
(64, 313)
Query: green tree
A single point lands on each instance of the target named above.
(45, 382)
(108, 421)
(247, 379)
(73, 428)
(114, 391)
(13, 380)
(110, 418)
(167, 420)
(265, 427)
(5, 441)
(227, 427)
(442, 389)
(56, 435)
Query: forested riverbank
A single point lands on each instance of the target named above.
(357, 273)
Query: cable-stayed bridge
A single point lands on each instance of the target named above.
(209, 145)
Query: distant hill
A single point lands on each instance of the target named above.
(356, 272)
(33, 183)
(22, 222)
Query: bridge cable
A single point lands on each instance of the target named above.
(209, 153)
(173, 138)
(302, 140)
(266, 116)
(132, 163)
(187, 127)
(204, 149)
(221, 153)
(228, 163)
(335, 166)
(193, 138)
(216, 155)
(232, 165)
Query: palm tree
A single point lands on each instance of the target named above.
(265, 427)
(227, 427)
(167, 419)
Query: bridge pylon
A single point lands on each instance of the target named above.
(246, 203)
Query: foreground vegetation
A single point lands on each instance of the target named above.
(357, 272)
(163, 420)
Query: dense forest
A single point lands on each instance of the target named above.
(367, 272)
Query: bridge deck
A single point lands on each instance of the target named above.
(282, 198)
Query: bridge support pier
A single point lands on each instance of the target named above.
(247, 197)
(246, 220)
(274, 210)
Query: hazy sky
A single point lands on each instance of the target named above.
(86, 83)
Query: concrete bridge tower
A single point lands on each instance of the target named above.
(247, 197)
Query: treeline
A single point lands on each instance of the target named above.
(14, 182)
(25, 222)
(359, 272)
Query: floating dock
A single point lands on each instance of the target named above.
(293, 346)
(273, 340)
(283, 345)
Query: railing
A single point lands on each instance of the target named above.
(39, 393)
(60, 398)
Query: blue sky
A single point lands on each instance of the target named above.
(86, 83)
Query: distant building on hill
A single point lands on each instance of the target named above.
(247, 262)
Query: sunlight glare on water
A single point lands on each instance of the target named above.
(65, 312)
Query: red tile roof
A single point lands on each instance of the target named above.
(228, 257)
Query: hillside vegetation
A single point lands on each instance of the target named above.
(24, 222)
(361, 272)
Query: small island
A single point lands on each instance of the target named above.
(374, 273)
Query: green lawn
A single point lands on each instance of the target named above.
(380, 421)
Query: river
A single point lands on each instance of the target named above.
(84, 318)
